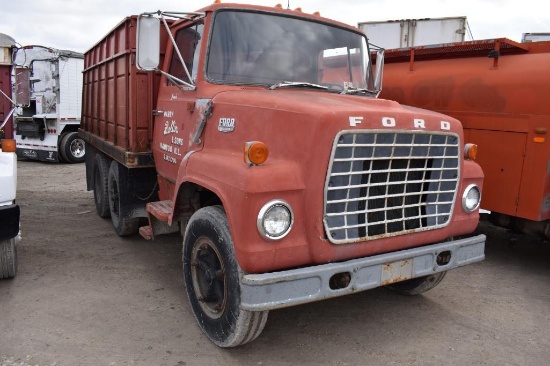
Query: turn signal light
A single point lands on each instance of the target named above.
(8, 145)
(470, 151)
(255, 152)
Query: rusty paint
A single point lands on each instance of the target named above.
(396, 272)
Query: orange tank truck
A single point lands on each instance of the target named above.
(499, 90)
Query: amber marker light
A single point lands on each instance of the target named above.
(539, 139)
(255, 152)
(470, 151)
(8, 145)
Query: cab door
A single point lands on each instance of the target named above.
(175, 106)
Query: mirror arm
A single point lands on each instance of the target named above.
(4, 94)
(7, 118)
(173, 78)
(176, 49)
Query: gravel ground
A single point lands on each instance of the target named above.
(84, 296)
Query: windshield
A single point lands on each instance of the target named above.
(267, 49)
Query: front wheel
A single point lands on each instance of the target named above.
(8, 258)
(417, 286)
(212, 280)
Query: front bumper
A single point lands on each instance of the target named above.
(9, 221)
(268, 291)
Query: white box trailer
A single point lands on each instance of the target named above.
(414, 32)
(48, 97)
(535, 37)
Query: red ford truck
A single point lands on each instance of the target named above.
(257, 133)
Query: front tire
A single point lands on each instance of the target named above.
(8, 258)
(72, 148)
(120, 201)
(212, 279)
(417, 286)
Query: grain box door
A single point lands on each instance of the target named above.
(501, 156)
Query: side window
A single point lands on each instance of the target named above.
(188, 42)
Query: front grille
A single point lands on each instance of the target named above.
(384, 183)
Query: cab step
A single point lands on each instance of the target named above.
(158, 213)
(160, 209)
(146, 232)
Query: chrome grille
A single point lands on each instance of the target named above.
(384, 183)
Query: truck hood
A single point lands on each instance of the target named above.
(300, 126)
(340, 111)
(301, 129)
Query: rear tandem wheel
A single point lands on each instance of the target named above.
(120, 201)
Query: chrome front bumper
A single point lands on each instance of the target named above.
(275, 290)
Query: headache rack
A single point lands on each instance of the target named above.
(385, 183)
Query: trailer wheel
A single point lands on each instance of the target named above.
(212, 279)
(8, 258)
(120, 201)
(60, 157)
(417, 286)
(72, 148)
(101, 185)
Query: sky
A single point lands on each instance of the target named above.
(78, 24)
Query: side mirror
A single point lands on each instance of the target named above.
(379, 70)
(148, 43)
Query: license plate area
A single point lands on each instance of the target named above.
(397, 271)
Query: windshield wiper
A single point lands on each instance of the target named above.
(358, 91)
(286, 84)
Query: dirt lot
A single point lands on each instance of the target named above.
(84, 296)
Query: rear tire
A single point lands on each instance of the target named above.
(417, 286)
(72, 148)
(8, 258)
(212, 279)
(101, 185)
(120, 201)
(60, 157)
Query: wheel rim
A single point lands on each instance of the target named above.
(77, 148)
(209, 278)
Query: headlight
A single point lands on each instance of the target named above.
(471, 198)
(275, 220)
